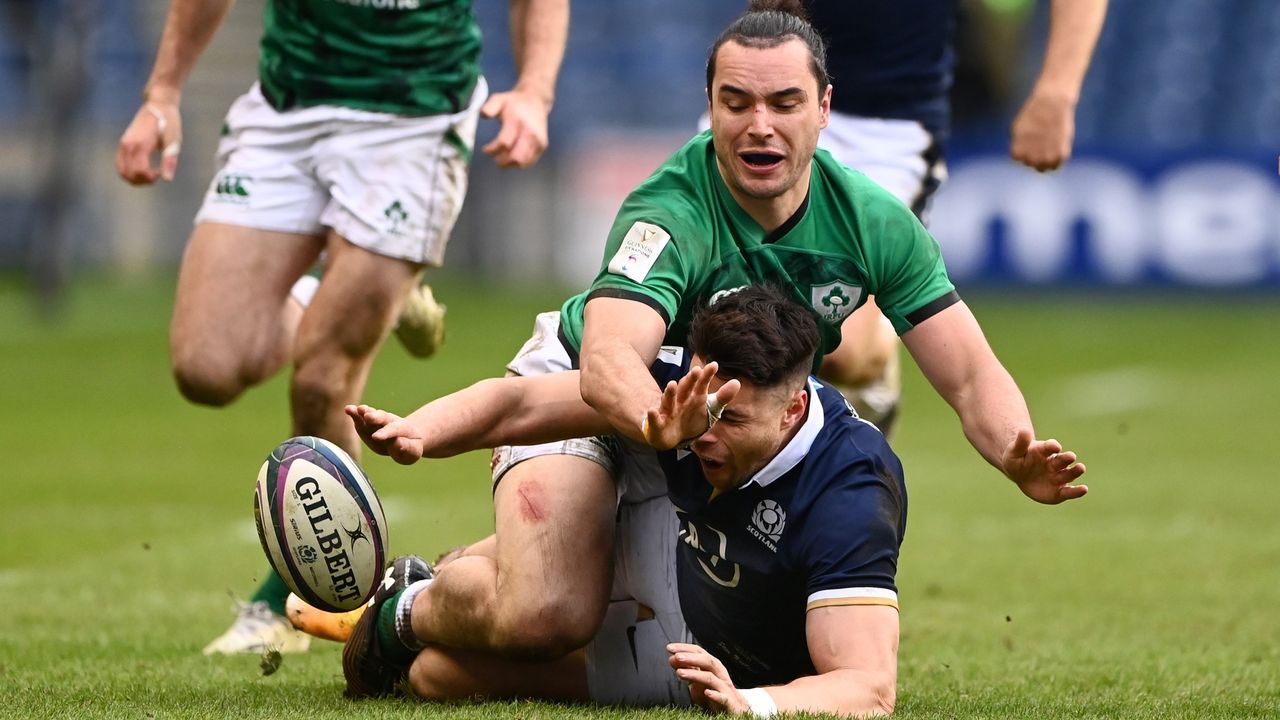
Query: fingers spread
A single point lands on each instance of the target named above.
(1071, 492)
(1061, 461)
(728, 392)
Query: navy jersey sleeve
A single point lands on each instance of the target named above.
(852, 536)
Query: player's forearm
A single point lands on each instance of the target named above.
(539, 32)
(505, 411)
(188, 29)
(955, 357)
(1074, 26)
(616, 382)
(992, 410)
(840, 692)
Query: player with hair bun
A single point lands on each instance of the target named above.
(751, 202)
(788, 516)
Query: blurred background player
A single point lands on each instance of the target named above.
(353, 146)
(892, 66)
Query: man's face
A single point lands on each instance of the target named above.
(766, 113)
(752, 430)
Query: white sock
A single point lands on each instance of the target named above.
(305, 289)
(404, 615)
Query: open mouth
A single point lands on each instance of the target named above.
(761, 161)
(709, 465)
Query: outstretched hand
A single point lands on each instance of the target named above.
(387, 433)
(685, 410)
(1042, 469)
(523, 135)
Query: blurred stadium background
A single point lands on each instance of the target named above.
(1134, 295)
(1174, 180)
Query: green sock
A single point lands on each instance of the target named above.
(393, 649)
(273, 592)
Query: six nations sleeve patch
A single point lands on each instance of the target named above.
(639, 251)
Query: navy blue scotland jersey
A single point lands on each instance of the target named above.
(821, 524)
(890, 58)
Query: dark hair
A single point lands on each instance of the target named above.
(767, 24)
(758, 334)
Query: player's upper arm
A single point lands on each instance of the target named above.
(853, 637)
(950, 349)
(620, 339)
(611, 324)
(545, 408)
(653, 253)
(854, 648)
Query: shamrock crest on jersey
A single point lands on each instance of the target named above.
(835, 300)
(396, 214)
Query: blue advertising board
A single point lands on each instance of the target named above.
(1208, 221)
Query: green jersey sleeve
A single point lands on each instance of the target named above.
(649, 257)
(906, 264)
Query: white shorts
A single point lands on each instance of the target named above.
(391, 184)
(633, 465)
(627, 660)
(543, 354)
(900, 155)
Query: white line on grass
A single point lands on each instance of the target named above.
(1113, 391)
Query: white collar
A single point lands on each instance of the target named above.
(794, 451)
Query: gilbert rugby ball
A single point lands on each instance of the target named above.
(320, 523)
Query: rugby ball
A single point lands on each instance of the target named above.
(320, 523)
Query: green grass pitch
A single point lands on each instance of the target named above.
(127, 521)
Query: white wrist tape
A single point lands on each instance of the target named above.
(161, 123)
(714, 410)
(172, 148)
(760, 702)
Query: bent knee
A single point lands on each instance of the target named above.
(433, 676)
(203, 384)
(548, 632)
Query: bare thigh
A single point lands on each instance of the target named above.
(354, 308)
(539, 588)
(555, 536)
(232, 326)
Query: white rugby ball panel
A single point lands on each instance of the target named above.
(359, 486)
(321, 523)
(266, 526)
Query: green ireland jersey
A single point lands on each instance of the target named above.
(681, 240)
(409, 57)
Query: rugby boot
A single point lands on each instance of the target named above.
(256, 630)
(368, 672)
(420, 328)
(315, 622)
